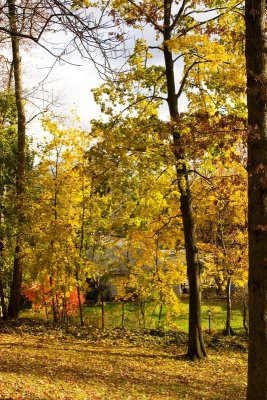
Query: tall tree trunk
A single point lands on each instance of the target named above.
(81, 249)
(196, 347)
(13, 308)
(2, 246)
(256, 55)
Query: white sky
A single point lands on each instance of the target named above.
(68, 85)
(71, 84)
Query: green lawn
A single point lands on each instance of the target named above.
(133, 320)
(113, 312)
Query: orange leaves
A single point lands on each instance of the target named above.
(41, 297)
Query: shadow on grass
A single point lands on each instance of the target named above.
(98, 350)
(116, 370)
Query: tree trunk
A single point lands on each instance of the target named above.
(102, 308)
(45, 304)
(14, 302)
(256, 55)
(228, 330)
(2, 295)
(79, 299)
(160, 315)
(3, 300)
(196, 347)
(2, 246)
(53, 303)
(122, 315)
(245, 317)
(81, 248)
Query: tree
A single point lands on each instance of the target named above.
(221, 228)
(31, 21)
(192, 44)
(13, 307)
(8, 152)
(55, 249)
(256, 56)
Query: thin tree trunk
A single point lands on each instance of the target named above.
(57, 309)
(2, 246)
(196, 347)
(3, 301)
(102, 309)
(81, 250)
(160, 315)
(54, 308)
(79, 300)
(256, 56)
(139, 313)
(228, 330)
(65, 316)
(122, 315)
(2, 295)
(14, 302)
(142, 310)
(245, 317)
(45, 304)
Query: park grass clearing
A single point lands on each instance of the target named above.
(92, 316)
(45, 365)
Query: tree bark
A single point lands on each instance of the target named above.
(256, 56)
(13, 308)
(196, 347)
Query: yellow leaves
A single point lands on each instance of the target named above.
(82, 3)
(120, 367)
(62, 187)
(199, 47)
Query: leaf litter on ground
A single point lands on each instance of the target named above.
(40, 363)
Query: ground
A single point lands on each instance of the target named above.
(43, 365)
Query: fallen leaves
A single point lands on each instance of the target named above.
(44, 367)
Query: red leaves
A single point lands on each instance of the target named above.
(41, 297)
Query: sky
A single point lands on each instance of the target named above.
(69, 85)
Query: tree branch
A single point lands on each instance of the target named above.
(183, 82)
(178, 15)
(141, 10)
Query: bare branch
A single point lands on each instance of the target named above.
(166, 224)
(178, 15)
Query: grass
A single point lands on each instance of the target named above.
(42, 364)
(113, 313)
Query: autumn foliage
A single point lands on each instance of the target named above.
(40, 297)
